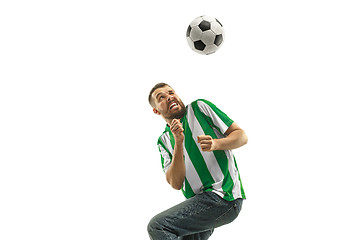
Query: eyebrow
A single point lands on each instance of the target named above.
(170, 91)
(158, 95)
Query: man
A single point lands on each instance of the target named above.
(196, 157)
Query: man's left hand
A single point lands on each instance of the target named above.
(207, 143)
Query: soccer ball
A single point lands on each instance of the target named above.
(205, 35)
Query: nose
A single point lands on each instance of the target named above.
(170, 97)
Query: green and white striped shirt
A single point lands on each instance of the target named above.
(214, 171)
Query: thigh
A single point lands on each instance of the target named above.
(198, 214)
(230, 214)
(188, 217)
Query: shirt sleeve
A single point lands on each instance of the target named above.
(165, 154)
(217, 117)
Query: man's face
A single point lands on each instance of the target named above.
(168, 104)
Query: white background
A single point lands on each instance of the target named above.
(78, 138)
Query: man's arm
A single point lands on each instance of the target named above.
(235, 138)
(175, 175)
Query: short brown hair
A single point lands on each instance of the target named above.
(159, 85)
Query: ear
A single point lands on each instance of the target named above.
(156, 111)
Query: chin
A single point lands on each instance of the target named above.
(179, 114)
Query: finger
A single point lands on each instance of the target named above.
(205, 141)
(177, 129)
(175, 121)
(175, 125)
(178, 125)
(204, 137)
(200, 137)
(205, 147)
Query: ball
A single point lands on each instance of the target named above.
(205, 35)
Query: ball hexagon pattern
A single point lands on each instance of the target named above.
(205, 35)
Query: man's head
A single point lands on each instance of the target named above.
(166, 103)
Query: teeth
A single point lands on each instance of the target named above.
(173, 105)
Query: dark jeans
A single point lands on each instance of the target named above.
(194, 218)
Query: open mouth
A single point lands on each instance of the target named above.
(172, 105)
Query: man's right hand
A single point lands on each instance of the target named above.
(177, 130)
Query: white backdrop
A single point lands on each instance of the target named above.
(78, 138)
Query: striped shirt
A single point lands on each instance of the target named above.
(214, 171)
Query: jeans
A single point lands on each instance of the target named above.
(194, 218)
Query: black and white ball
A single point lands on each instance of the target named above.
(205, 35)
